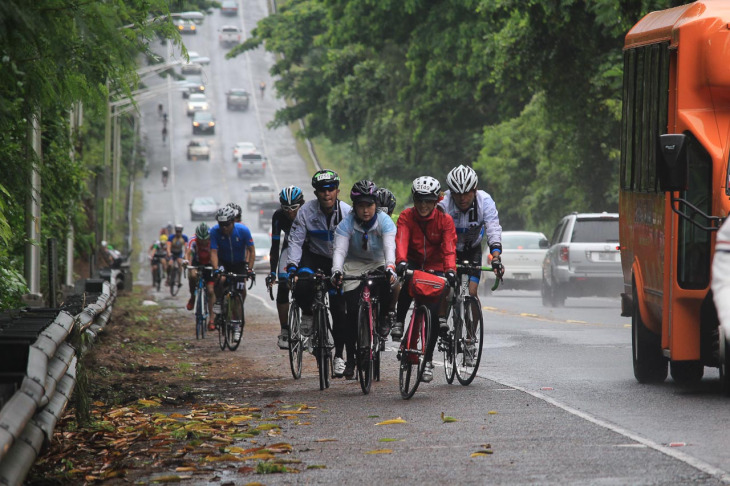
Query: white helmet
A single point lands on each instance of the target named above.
(426, 187)
(462, 179)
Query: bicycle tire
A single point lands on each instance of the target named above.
(222, 325)
(236, 302)
(446, 344)
(296, 344)
(323, 355)
(198, 316)
(158, 277)
(172, 280)
(201, 312)
(413, 350)
(469, 333)
(364, 353)
(378, 342)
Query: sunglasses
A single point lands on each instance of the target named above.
(226, 224)
(293, 207)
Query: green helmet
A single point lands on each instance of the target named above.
(201, 232)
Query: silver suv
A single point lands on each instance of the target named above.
(583, 258)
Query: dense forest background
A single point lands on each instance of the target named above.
(526, 91)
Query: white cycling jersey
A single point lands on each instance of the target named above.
(316, 229)
(471, 225)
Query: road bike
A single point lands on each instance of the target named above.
(320, 341)
(413, 346)
(297, 342)
(369, 342)
(201, 309)
(462, 343)
(157, 273)
(230, 319)
(173, 277)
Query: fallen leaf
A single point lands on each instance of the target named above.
(446, 419)
(385, 439)
(148, 403)
(380, 451)
(98, 404)
(316, 466)
(280, 448)
(169, 478)
(186, 469)
(261, 456)
(246, 469)
(222, 458)
(492, 412)
(477, 454)
(392, 421)
(326, 440)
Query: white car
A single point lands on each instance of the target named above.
(242, 148)
(262, 243)
(522, 255)
(197, 102)
(196, 58)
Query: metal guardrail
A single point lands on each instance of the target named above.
(28, 418)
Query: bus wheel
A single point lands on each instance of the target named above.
(686, 371)
(724, 362)
(650, 366)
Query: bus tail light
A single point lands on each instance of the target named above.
(564, 254)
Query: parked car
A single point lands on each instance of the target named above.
(237, 99)
(191, 68)
(262, 244)
(583, 258)
(523, 254)
(193, 83)
(259, 194)
(251, 163)
(198, 59)
(203, 122)
(229, 7)
(203, 208)
(230, 35)
(242, 148)
(186, 26)
(198, 149)
(197, 102)
(266, 211)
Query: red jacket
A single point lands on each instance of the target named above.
(427, 242)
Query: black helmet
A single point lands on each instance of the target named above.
(364, 191)
(386, 200)
(290, 196)
(325, 179)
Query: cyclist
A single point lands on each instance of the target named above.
(386, 204)
(291, 199)
(474, 213)
(426, 240)
(386, 201)
(315, 224)
(198, 252)
(232, 250)
(175, 248)
(165, 175)
(364, 242)
(239, 211)
(158, 255)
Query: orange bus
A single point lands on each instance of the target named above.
(675, 136)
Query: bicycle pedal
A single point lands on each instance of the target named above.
(398, 356)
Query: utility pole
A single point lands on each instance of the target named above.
(33, 213)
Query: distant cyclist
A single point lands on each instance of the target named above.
(198, 253)
(364, 243)
(291, 199)
(158, 255)
(475, 216)
(176, 248)
(426, 240)
(165, 175)
(232, 249)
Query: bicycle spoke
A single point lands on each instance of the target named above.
(469, 342)
(295, 341)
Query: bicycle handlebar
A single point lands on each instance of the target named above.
(365, 276)
(483, 268)
(248, 275)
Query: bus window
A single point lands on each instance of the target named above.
(693, 252)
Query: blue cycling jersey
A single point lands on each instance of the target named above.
(231, 249)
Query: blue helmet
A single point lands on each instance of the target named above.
(290, 196)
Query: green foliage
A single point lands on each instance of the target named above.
(529, 92)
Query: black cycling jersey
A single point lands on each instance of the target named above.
(279, 222)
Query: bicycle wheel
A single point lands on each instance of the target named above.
(413, 350)
(158, 277)
(222, 324)
(199, 332)
(296, 346)
(446, 345)
(172, 280)
(321, 349)
(236, 322)
(364, 349)
(468, 338)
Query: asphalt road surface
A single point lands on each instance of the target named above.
(555, 397)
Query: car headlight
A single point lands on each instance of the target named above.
(196, 124)
(211, 124)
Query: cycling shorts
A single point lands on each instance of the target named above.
(177, 254)
(474, 257)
